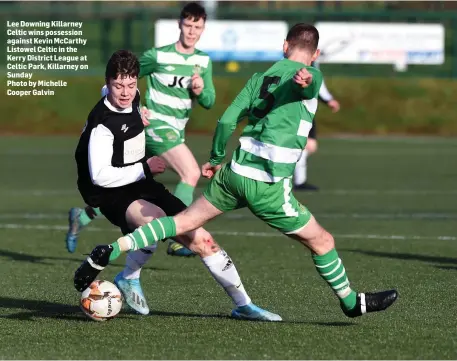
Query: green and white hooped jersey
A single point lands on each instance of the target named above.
(168, 95)
(280, 115)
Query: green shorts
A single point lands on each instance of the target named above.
(273, 203)
(161, 137)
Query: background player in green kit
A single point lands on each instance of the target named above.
(176, 75)
(280, 105)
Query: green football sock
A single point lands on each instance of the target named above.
(185, 192)
(156, 230)
(331, 269)
(88, 214)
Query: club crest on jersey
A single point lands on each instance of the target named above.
(303, 209)
(171, 136)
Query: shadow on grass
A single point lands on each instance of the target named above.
(52, 310)
(409, 257)
(447, 268)
(48, 260)
(41, 309)
(226, 317)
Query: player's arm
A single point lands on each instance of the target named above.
(308, 82)
(327, 98)
(207, 97)
(324, 93)
(228, 122)
(102, 173)
(148, 62)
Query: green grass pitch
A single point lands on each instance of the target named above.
(390, 203)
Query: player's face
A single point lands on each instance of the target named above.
(122, 91)
(191, 31)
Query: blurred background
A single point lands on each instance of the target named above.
(400, 79)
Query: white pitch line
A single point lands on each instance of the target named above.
(44, 227)
(379, 216)
(386, 216)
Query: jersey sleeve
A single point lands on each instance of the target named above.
(226, 125)
(312, 90)
(207, 97)
(324, 93)
(102, 173)
(148, 62)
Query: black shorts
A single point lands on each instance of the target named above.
(312, 133)
(115, 206)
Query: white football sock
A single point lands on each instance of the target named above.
(300, 169)
(136, 260)
(224, 272)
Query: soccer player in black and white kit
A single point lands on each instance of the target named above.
(301, 169)
(115, 176)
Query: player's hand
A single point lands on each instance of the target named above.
(145, 116)
(303, 77)
(334, 105)
(208, 170)
(197, 84)
(157, 165)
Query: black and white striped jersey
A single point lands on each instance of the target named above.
(111, 150)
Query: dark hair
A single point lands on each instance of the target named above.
(303, 36)
(123, 63)
(194, 11)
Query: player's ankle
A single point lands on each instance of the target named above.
(125, 244)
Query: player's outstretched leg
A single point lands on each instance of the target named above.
(92, 266)
(331, 269)
(78, 218)
(371, 302)
(224, 271)
(147, 235)
(128, 280)
(216, 260)
(199, 241)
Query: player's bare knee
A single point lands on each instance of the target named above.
(209, 246)
(320, 242)
(192, 176)
(323, 243)
(158, 213)
(142, 212)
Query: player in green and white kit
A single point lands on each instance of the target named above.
(177, 75)
(280, 105)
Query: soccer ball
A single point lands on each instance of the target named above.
(101, 301)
